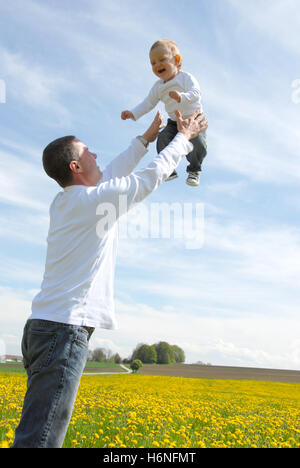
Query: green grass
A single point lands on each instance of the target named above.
(101, 365)
(12, 367)
(18, 366)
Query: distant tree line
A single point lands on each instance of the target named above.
(158, 353)
(104, 355)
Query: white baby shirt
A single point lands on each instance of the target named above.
(190, 93)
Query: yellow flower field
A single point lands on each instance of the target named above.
(148, 411)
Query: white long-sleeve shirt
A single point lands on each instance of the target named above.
(77, 287)
(188, 88)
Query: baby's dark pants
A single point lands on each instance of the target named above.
(194, 158)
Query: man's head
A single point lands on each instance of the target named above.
(68, 161)
(165, 59)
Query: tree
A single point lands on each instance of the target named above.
(165, 353)
(117, 359)
(136, 351)
(136, 365)
(160, 353)
(152, 356)
(109, 356)
(145, 353)
(99, 355)
(179, 354)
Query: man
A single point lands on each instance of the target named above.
(77, 289)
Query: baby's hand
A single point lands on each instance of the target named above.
(127, 115)
(175, 95)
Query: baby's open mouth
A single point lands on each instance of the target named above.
(161, 70)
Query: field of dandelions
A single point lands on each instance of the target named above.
(169, 412)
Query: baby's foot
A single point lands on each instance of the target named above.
(193, 179)
(174, 175)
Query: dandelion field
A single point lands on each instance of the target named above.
(169, 412)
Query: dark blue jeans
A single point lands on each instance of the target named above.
(194, 158)
(54, 357)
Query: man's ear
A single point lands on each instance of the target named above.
(75, 167)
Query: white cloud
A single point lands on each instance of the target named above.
(14, 309)
(247, 137)
(270, 255)
(34, 85)
(23, 226)
(243, 341)
(24, 183)
(249, 356)
(244, 154)
(227, 188)
(14, 146)
(10, 340)
(107, 344)
(15, 270)
(265, 254)
(279, 20)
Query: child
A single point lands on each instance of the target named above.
(177, 90)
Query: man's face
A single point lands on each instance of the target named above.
(87, 162)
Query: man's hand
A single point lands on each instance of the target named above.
(192, 126)
(175, 95)
(126, 114)
(152, 132)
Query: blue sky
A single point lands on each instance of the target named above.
(70, 68)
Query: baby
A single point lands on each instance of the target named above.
(177, 90)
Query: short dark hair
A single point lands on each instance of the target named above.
(57, 157)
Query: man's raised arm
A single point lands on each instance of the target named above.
(126, 162)
(138, 185)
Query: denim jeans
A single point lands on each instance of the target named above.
(54, 357)
(199, 152)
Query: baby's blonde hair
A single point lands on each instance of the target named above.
(171, 46)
